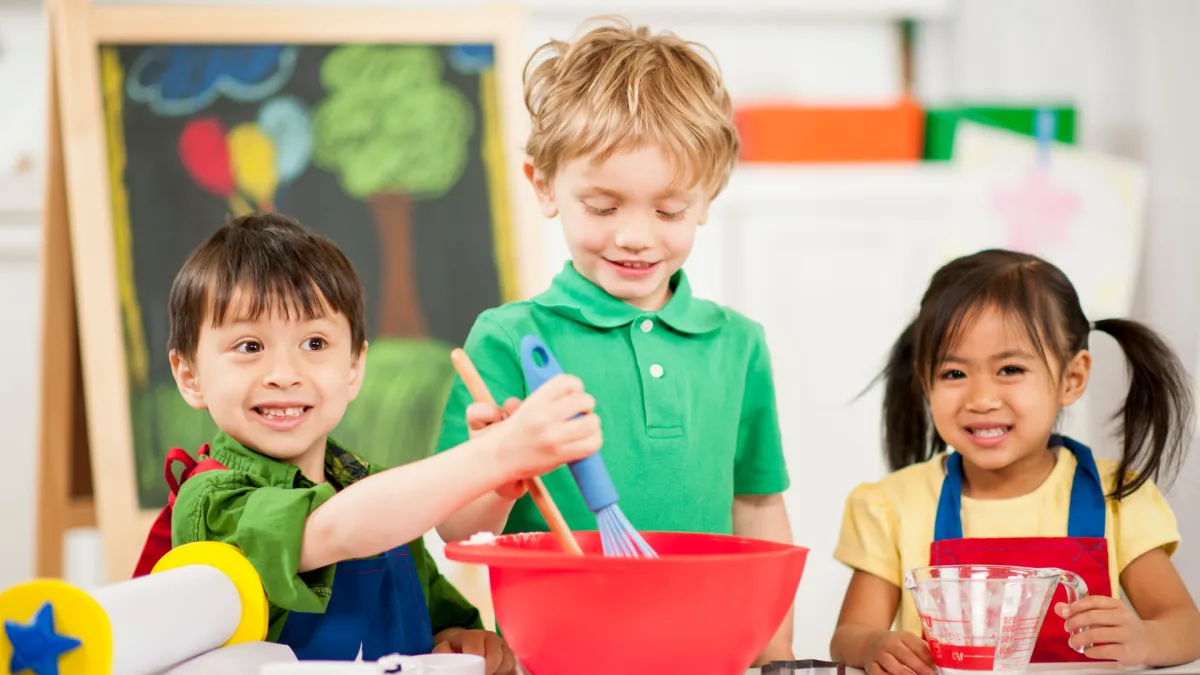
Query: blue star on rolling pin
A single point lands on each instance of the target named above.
(36, 646)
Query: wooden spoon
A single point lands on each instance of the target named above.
(535, 487)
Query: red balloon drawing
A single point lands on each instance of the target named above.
(205, 155)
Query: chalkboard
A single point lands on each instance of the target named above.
(392, 151)
(397, 133)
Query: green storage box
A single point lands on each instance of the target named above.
(940, 124)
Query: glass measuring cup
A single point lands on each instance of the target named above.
(986, 617)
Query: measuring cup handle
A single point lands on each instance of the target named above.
(1076, 590)
(1075, 586)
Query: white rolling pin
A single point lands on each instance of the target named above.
(199, 597)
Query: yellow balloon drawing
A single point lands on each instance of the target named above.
(252, 158)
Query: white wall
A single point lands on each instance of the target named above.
(20, 299)
(21, 105)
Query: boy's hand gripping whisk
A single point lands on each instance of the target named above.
(617, 535)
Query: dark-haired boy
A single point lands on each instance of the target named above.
(267, 333)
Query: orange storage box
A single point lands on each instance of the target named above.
(795, 133)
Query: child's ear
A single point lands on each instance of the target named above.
(358, 370)
(1075, 378)
(543, 189)
(187, 380)
(703, 212)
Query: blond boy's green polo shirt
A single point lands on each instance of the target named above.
(685, 396)
(261, 504)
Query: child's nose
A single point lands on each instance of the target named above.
(634, 234)
(982, 397)
(282, 372)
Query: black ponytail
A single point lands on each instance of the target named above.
(1156, 419)
(907, 426)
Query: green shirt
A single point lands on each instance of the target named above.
(261, 504)
(685, 396)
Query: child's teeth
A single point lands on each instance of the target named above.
(989, 432)
(282, 412)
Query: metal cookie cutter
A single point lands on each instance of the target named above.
(805, 667)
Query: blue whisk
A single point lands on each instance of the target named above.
(617, 535)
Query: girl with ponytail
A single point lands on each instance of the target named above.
(998, 348)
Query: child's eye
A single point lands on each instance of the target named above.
(315, 344)
(249, 346)
(599, 212)
(952, 375)
(665, 215)
(1012, 370)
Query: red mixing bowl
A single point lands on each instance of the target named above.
(708, 604)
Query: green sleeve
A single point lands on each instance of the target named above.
(447, 607)
(759, 466)
(266, 523)
(494, 353)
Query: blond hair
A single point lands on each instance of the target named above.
(618, 88)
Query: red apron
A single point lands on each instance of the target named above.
(1083, 551)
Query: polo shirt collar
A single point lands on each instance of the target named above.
(573, 296)
(341, 466)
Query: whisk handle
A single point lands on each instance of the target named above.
(540, 366)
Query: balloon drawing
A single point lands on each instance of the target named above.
(205, 155)
(285, 119)
(252, 157)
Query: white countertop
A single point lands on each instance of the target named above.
(1192, 668)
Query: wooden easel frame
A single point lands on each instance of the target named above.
(79, 195)
(64, 490)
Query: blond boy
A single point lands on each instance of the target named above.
(632, 139)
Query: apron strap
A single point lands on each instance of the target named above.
(1087, 513)
(949, 511)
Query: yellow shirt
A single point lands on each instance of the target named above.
(875, 538)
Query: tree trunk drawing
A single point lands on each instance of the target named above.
(400, 312)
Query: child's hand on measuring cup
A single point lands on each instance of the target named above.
(898, 653)
(1112, 626)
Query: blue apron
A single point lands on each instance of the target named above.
(376, 603)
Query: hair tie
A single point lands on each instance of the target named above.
(1091, 325)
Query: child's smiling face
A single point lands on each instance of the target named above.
(276, 384)
(994, 399)
(628, 225)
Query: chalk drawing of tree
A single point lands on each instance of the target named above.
(396, 132)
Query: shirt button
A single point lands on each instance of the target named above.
(647, 326)
(656, 370)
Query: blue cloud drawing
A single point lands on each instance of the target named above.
(181, 80)
(471, 59)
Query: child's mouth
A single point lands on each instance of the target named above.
(992, 434)
(282, 417)
(634, 269)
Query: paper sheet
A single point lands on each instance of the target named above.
(1082, 210)
(243, 659)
